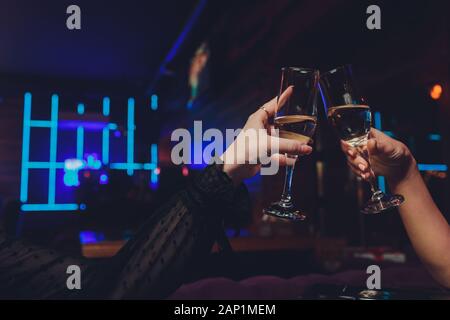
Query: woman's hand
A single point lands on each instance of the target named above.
(242, 157)
(388, 157)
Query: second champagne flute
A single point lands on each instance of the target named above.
(350, 116)
(295, 119)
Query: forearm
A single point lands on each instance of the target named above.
(175, 240)
(427, 228)
(151, 265)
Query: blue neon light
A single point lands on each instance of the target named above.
(50, 207)
(432, 167)
(130, 136)
(127, 166)
(25, 147)
(45, 165)
(40, 124)
(178, 42)
(434, 137)
(73, 164)
(106, 106)
(154, 102)
(187, 28)
(80, 142)
(92, 162)
(53, 146)
(105, 146)
(377, 120)
(154, 160)
(149, 166)
(70, 178)
(71, 167)
(382, 183)
(80, 108)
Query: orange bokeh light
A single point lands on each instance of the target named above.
(436, 91)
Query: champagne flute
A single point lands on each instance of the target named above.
(351, 118)
(295, 119)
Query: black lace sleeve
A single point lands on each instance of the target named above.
(174, 240)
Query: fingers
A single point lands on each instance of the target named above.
(282, 159)
(357, 163)
(345, 147)
(284, 97)
(288, 146)
(270, 108)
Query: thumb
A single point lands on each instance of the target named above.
(376, 134)
(379, 147)
(372, 147)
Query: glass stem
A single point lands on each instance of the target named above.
(286, 196)
(376, 192)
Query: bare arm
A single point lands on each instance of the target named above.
(427, 228)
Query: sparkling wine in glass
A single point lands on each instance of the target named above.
(350, 116)
(295, 119)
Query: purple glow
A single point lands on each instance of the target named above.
(91, 237)
(87, 125)
(103, 179)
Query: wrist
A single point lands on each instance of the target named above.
(411, 173)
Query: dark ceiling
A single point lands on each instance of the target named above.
(119, 40)
(126, 42)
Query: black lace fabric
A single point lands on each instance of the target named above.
(174, 240)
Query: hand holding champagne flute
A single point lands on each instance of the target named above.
(350, 116)
(295, 119)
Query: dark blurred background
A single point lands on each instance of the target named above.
(84, 176)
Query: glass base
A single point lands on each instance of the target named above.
(381, 202)
(284, 210)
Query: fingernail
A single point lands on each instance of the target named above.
(361, 167)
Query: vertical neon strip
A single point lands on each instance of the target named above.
(105, 145)
(25, 147)
(154, 102)
(80, 142)
(130, 136)
(154, 161)
(80, 108)
(53, 146)
(377, 125)
(377, 120)
(106, 103)
(382, 183)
